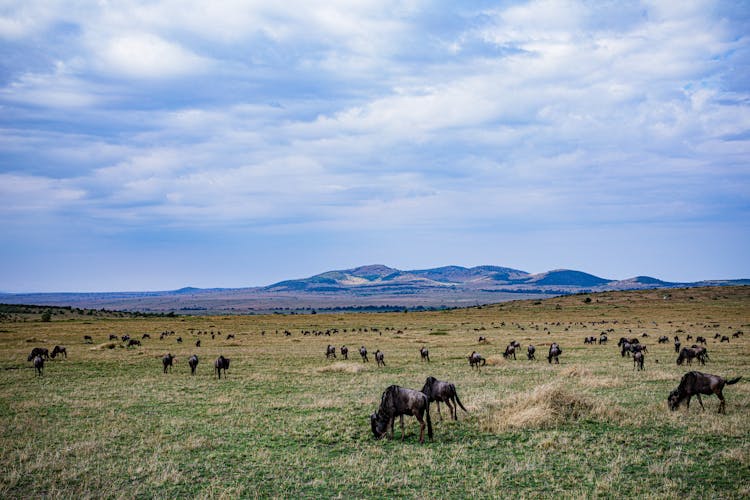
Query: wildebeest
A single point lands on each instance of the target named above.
(510, 351)
(39, 365)
(363, 353)
(589, 340)
(677, 345)
(39, 351)
(88, 339)
(179, 340)
(113, 337)
(638, 360)
(330, 352)
(221, 363)
(697, 383)
(379, 358)
(230, 336)
(133, 342)
(439, 391)
(700, 340)
(602, 339)
(554, 353)
(475, 359)
(530, 350)
(197, 343)
(396, 402)
(58, 349)
(724, 338)
(145, 336)
(482, 339)
(624, 348)
(125, 338)
(344, 352)
(193, 362)
(425, 354)
(690, 353)
(663, 339)
(167, 362)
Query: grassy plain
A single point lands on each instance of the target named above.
(289, 423)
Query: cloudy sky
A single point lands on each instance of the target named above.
(151, 145)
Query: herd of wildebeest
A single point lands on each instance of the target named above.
(398, 401)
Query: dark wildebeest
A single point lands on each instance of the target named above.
(230, 336)
(363, 353)
(345, 351)
(589, 340)
(396, 402)
(379, 358)
(38, 351)
(510, 351)
(113, 337)
(221, 363)
(625, 348)
(39, 365)
(530, 350)
(88, 339)
(638, 360)
(145, 336)
(425, 354)
(125, 338)
(475, 359)
(179, 340)
(167, 362)
(602, 339)
(133, 342)
(663, 339)
(197, 343)
(330, 351)
(700, 340)
(554, 353)
(724, 338)
(59, 350)
(677, 345)
(193, 362)
(638, 348)
(445, 392)
(689, 353)
(697, 383)
(482, 340)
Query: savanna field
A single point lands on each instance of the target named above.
(287, 422)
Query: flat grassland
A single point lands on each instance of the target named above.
(286, 422)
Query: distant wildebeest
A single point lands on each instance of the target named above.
(663, 339)
(88, 339)
(439, 391)
(167, 362)
(424, 354)
(530, 351)
(589, 340)
(125, 338)
(510, 351)
(133, 342)
(39, 365)
(602, 339)
(690, 337)
(363, 353)
(482, 339)
(197, 343)
(379, 358)
(145, 336)
(476, 360)
(625, 348)
(677, 345)
(221, 363)
(638, 360)
(344, 351)
(639, 348)
(179, 340)
(396, 402)
(39, 351)
(58, 349)
(113, 337)
(193, 362)
(700, 340)
(697, 383)
(230, 336)
(690, 353)
(554, 353)
(330, 352)
(724, 338)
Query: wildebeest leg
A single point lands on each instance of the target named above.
(451, 408)
(421, 427)
(687, 402)
(438, 407)
(391, 421)
(701, 402)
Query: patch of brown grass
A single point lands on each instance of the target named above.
(106, 345)
(341, 367)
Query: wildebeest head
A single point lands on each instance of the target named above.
(673, 401)
(427, 388)
(379, 425)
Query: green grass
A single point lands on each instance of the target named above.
(288, 423)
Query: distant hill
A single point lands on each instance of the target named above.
(372, 287)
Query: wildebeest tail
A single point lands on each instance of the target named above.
(455, 393)
(733, 381)
(484, 361)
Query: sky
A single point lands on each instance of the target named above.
(152, 145)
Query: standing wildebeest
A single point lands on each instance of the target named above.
(724, 338)
(133, 342)
(677, 345)
(221, 363)
(88, 339)
(125, 338)
(193, 362)
(396, 402)
(638, 360)
(589, 340)
(379, 358)
(425, 354)
(345, 351)
(363, 353)
(113, 337)
(38, 351)
(689, 353)
(39, 365)
(59, 350)
(602, 339)
(475, 359)
(179, 340)
(197, 343)
(700, 340)
(697, 383)
(445, 392)
(482, 339)
(167, 362)
(530, 350)
(145, 336)
(554, 353)
(510, 351)
(330, 352)
(663, 339)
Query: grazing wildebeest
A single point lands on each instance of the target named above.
(39, 365)
(482, 339)
(445, 392)
(639, 348)
(396, 402)
(133, 342)
(193, 362)
(724, 338)
(125, 338)
(197, 343)
(700, 340)
(88, 339)
(638, 360)
(589, 340)
(221, 363)
(697, 383)
(167, 362)
(345, 351)
(689, 353)
(179, 340)
(379, 358)
(554, 353)
(113, 337)
(230, 336)
(475, 359)
(145, 336)
(330, 351)
(59, 350)
(663, 339)
(363, 353)
(425, 354)
(38, 351)
(602, 339)
(530, 350)
(510, 351)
